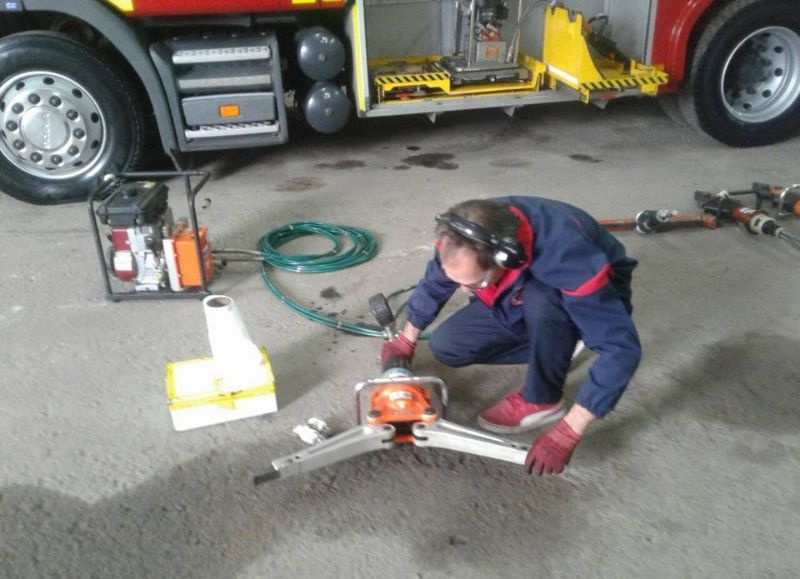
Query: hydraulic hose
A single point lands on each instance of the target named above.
(363, 247)
(351, 246)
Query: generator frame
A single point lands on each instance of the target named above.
(114, 182)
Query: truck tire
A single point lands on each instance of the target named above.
(743, 86)
(66, 119)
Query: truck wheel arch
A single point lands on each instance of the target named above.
(123, 37)
(675, 34)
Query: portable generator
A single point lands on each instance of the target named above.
(145, 246)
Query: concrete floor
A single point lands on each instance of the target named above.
(695, 475)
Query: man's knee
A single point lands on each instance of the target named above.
(543, 303)
(444, 346)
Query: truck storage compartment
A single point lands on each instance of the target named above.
(224, 92)
(228, 109)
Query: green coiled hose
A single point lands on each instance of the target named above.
(351, 246)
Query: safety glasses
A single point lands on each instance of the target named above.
(481, 285)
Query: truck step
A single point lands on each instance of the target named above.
(203, 54)
(239, 76)
(224, 91)
(232, 130)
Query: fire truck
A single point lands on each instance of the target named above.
(87, 87)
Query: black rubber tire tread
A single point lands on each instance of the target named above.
(699, 100)
(115, 94)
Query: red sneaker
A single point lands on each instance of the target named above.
(512, 414)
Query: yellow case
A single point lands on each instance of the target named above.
(197, 398)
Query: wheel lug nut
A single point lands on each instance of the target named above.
(79, 133)
(19, 145)
(73, 150)
(17, 109)
(72, 114)
(12, 126)
(36, 157)
(34, 99)
(55, 101)
(56, 160)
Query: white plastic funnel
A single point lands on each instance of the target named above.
(238, 361)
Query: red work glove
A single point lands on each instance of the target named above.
(552, 450)
(400, 349)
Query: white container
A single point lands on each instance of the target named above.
(235, 382)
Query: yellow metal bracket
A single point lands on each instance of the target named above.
(390, 74)
(569, 61)
(122, 5)
(429, 81)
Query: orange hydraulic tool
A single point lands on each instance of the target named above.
(725, 208)
(403, 409)
(786, 199)
(401, 405)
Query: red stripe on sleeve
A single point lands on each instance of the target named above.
(595, 283)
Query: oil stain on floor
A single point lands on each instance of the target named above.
(341, 165)
(300, 184)
(510, 163)
(585, 158)
(432, 161)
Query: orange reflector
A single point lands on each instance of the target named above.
(227, 111)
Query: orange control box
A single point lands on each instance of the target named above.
(188, 268)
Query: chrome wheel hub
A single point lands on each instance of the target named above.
(761, 77)
(52, 127)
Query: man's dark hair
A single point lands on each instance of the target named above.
(492, 216)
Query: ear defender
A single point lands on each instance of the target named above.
(507, 252)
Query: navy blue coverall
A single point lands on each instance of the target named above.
(575, 284)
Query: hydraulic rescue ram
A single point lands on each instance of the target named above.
(403, 409)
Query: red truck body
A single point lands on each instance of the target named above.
(675, 21)
(194, 7)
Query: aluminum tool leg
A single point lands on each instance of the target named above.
(359, 440)
(444, 434)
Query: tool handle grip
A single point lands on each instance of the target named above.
(379, 306)
(683, 220)
(617, 225)
(676, 221)
(396, 363)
